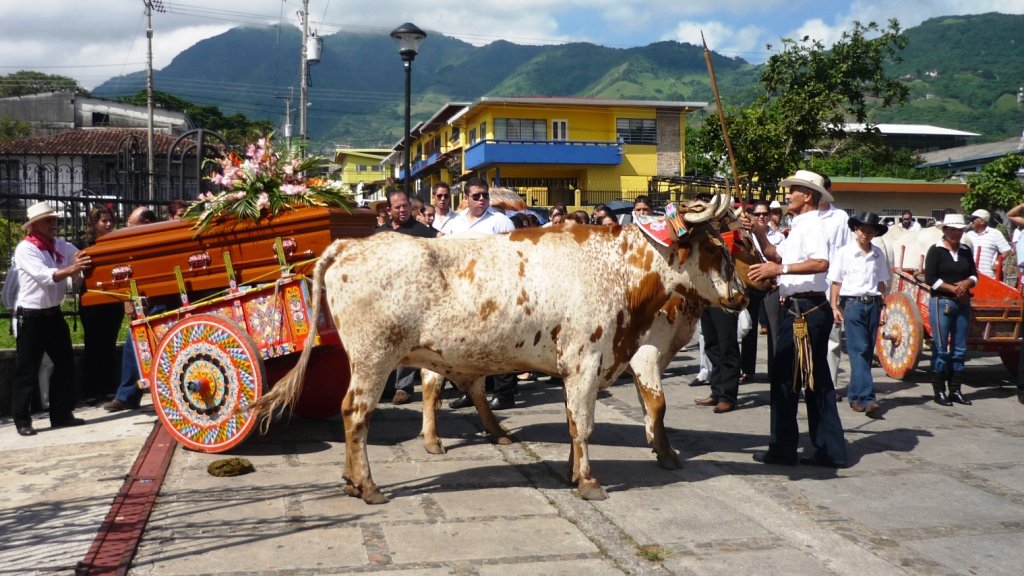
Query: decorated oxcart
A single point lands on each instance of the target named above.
(236, 311)
(997, 308)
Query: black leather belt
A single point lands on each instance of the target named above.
(35, 313)
(808, 295)
(868, 299)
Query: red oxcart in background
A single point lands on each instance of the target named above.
(998, 311)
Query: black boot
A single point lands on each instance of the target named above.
(955, 381)
(939, 387)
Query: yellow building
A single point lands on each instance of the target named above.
(576, 151)
(363, 165)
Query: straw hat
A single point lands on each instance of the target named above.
(954, 221)
(38, 212)
(811, 180)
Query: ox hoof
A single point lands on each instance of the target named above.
(503, 440)
(352, 491)
(668, 461)
(375, 497)
(433, 447)
(591, 490)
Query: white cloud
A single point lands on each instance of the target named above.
(720, 37)
(96, 39)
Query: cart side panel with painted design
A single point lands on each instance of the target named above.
(239, 314)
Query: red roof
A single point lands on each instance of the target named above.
(92, 142)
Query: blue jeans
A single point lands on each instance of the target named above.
(860, 319)
(949, 320)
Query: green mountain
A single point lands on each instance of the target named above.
(963, 73)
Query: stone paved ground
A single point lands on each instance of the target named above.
(932, 490)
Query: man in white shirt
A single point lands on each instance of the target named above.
(860, 277)
(837, 234)
(479, 217)
(990, 241)
(800, 263)
(444, 215)
(44, 263)
(908, 222)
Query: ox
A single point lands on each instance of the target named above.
(476, 306)
(673, 327)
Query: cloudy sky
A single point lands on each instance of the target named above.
(93, 40)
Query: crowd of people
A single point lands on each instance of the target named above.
(827, 279)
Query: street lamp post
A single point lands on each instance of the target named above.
(408, 37)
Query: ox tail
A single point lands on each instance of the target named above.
(285, 393)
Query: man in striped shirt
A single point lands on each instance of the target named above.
(991, 242)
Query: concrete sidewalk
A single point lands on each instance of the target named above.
(931, 490)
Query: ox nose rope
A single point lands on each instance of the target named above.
(803, 367)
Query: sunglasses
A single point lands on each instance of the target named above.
(442, 195)
(480, 196)
(761, 214)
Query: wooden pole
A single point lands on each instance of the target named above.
(721, 121)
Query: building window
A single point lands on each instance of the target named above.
(636, 131)
(483, 130)
(362, 168)
(559, 129)
(520, 129)
(472, 135)
(100, 119)
(455, 134)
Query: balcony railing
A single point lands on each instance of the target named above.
(487, 152)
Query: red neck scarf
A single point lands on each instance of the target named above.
(46, 245)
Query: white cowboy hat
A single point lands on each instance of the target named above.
(954, 221)
(811, 180)
(38, 212)
(775, 205)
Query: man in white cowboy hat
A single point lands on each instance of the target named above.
(44, 263)
(990, 241)
(800, 263)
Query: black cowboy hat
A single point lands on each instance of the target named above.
(869, 219)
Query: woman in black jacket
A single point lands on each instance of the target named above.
(950, 272)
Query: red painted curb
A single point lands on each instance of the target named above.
(114, 547)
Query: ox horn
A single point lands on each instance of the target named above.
(700, 212)
(722, 205)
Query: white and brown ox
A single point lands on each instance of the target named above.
(466, 308)
(672, 328)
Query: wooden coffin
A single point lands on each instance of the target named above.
(148, 254)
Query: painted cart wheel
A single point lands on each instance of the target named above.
(899, 340)
(206, 367)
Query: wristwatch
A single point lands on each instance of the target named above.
(785, 268)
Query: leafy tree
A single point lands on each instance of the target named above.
(996, 186)
(29, 82)
(11, 129)
(806, 95)
(236, 128)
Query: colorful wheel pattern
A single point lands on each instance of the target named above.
(899, 340)
(206, 368)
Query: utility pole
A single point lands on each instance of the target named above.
(288, 116)
(304, 82)
(151, 5)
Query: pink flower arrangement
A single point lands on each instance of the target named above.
(264, 184)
